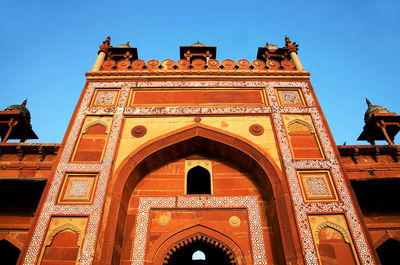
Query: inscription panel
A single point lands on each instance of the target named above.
(197, 97)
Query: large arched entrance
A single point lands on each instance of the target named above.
(207, 142)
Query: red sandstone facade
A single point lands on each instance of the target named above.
(232, 159)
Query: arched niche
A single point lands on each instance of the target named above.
(62, 245)
(334, 246)
(92, 142)
(303, 140)
(210, 142)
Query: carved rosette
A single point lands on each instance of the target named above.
(139, 131)
(256, 129)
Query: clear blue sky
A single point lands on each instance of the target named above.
(350, 48)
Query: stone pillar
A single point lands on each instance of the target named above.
(296, 61)
(102, 54)
(100, 60)
(293, 48)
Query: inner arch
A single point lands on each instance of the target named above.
(215, 252)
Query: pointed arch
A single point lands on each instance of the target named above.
(292, 123)
(335, 227)
(200, 139)
(96, 122)
(303, 140)
(62, 228)
(334, 245)
(173, 242)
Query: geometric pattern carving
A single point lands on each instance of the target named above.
(317, 185)
(290, 97)
(78, 188)
(105, 98)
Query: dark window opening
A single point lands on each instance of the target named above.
(20, 196)
(198, 181)
(378, 197)
(389, 252)
(9, 253)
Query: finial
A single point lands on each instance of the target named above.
(106, 44)
(293, 47)
(25, 101)
(287, 41)
(368, 102)
(198, 44)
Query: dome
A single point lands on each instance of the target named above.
(198, 44)
(21, 108)
(124, 45)
(373, 109)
